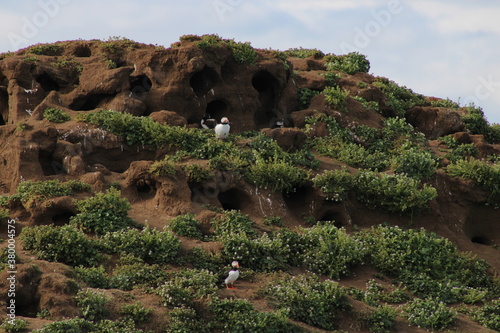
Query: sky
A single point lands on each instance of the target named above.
(446, 49)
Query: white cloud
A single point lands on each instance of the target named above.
(452, 17)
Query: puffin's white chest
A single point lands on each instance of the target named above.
(232, 276)
(222, 131)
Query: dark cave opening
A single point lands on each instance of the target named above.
(62, 218)
(203, 81)
(299, 202)
(2, 121)
(140, 84)
(332, 216)
(47, 83)
(82, 51)
(90, 102)
(481, 240)
(50, 167)
(266, 85)
(233, 199)
(217, 109)
(146, 188)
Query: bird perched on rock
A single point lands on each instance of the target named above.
(233, 275)
(222, 129)
(207, 122)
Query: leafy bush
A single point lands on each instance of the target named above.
(64, 244)
(276, 175)
(488, 315)
(103, 212)
(330, 251)
(185, 320)
(243, 53)
(94, 277)
(55, 115)
(429, 313)
(46, 49)
(273, 221)
(261, 254)
(350, 63)
(335, 184)
(445, 103)
(400, 98)
(484, 174)
(93, 304)
(308, 300)
(336, 97)
(476, 123)
(147, 244)
(197, 173)
(234, 222)
(186, 225)
(459, 151)
(382, 319)
(303, 53)
(30, 191)
(137, 312)
(305, 97)
(237, 315)
(163, 168)
(414, 162)
(186, 285)
(15, 325)
(73, 325)
(129, 275)
(4, 214)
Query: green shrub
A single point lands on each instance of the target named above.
(273, 221)
(197, 173)
(73, 325)
(94, 277)
(185, 320)
(368, 105)
(488, 315)
(445, 103)
(147, 244)
(186, 225)
(330, 251)
(429, 313)
(335, 184)
(476, 123)
(234, 222)
(46, 49)
(382, 319)
(459, 151)
(305, 97)
(118, 326)
(303, 53)
(484, 174)
(243, 53)
(103, 213)
(163, 168)
(56, 116)
(30, 191)
(14, 325)
(308, 300)
(64, 244)
(350, 63)
(93, 304)
(399, 98)
(137, 274)
(414, 162)
(186, 285)
(393, 193)
(237, 315)
(276, 175)
(4, 214)
(136, 312)
(336, 97)
(261, 254)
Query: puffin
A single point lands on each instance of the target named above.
(232, 276)
(222, 129)
(207, 122)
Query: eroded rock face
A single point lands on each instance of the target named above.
(435, 122)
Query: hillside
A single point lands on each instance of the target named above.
(352, 204)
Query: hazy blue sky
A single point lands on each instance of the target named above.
(436, 48)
